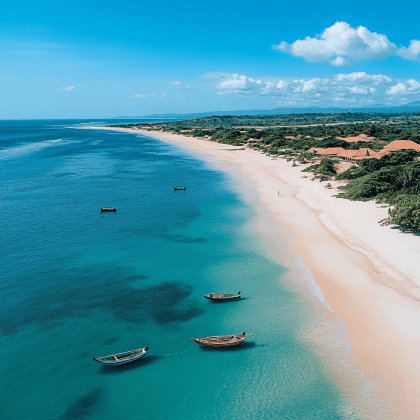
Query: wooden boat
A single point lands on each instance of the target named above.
(122, 358)
(220, 296)
(108, 208)
(222, 340)
(179, 188)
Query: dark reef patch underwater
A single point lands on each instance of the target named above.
(81, 290)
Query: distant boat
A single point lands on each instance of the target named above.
(108, 208)
(220, 296)
(222, 340)
(179, 188)
(122, 358)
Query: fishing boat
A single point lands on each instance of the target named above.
(220, 296)
(108, 208)
(222, 340)
(179, 188)
(122, 358)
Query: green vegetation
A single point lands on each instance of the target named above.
(386, 179)
(371, 124)
(407, 211)
(353, 173)
(325, 167)
(333, 143)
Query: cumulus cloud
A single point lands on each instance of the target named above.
(68, 88)
(341, 44)
(363, 77)
(410, 86)
(412, 52)
(355, 87)
(242, 84)
(143, 95)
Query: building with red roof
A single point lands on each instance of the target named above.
(363, 153)
(397, 145)
(333, 151)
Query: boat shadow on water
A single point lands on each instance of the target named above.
(246, 345)
(144, 361)
(229, 300)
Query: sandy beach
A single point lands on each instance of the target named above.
(369, 274)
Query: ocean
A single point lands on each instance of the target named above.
(77, 283)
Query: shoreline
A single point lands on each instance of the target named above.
(369, 275)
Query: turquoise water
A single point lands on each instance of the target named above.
(78, 283)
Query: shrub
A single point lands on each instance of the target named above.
(333, 143)
(352, 173)
(407, 211)
(325, 167)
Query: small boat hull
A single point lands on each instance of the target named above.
(122, 358)
(108, 208)
(179, 188)
(223, 297)
(221, 341)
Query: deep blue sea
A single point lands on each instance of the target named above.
(77, 283)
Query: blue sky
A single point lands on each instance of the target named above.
(97, 59)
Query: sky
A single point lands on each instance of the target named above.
(101, 59)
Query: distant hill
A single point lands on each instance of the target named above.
(415, 104)
(375, 108)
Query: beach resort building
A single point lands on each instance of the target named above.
(355, 155)
(364, 153)
(328, 152)
(396, 145)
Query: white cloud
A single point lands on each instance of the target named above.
(363, 77)
(357, 90)
(414, 85)
(143, 95)
(244, 85)
(176, 83)
(68, 88)
(282, 85)
(399, 89)
(341, 44)
(356, 87)
(410, 86)
(340, 62)
(412, 52)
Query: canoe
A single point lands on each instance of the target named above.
(122, 358)
(220, 296)
(179, 188)
(108, 208)
(222, 340)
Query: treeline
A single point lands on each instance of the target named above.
(380, 133)
(286, 120)
(236, 130)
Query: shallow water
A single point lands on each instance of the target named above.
(78, 283)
